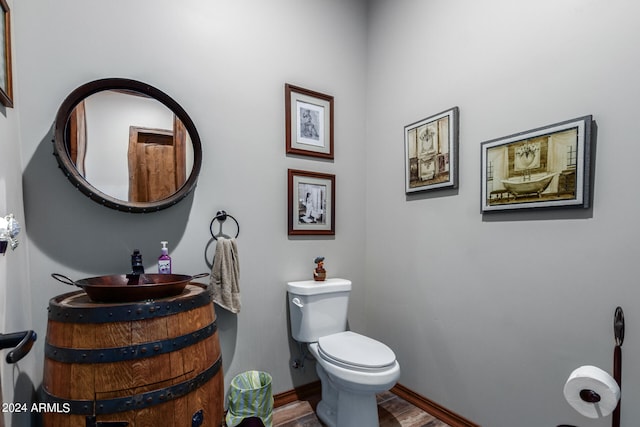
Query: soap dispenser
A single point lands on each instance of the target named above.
(164, 261)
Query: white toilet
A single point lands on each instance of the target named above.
(352, 368)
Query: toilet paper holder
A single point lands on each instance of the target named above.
(618, 331)
(591, 396)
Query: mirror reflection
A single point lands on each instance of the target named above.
(127, 145)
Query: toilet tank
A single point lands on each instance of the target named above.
(318, 309)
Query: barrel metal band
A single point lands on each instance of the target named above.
(137, 401)
(103, 313)
(131, 352)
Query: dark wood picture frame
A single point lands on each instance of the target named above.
(544, 167)
(308, 122)
(6, 79)
(311, 203)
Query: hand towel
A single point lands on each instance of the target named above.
(225, 275)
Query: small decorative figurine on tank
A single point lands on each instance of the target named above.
(319, 273)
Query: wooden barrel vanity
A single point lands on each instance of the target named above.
(147, 363)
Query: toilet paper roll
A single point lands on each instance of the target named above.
(591, 378)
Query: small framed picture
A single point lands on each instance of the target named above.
(311, 203)
(308, 122)
(6, 84)
(539, 168)
(431, 152)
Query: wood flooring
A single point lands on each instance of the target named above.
(393, 411)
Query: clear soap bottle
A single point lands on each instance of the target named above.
(164, 261)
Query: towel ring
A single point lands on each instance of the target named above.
(222, 216)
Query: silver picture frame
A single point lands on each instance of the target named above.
(431, 152)
(545, 167)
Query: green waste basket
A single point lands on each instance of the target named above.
(250, 395)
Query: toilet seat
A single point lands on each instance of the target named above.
(354, 351)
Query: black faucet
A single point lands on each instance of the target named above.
(137, 269)
(136, 263)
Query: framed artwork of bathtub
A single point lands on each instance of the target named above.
(311, 205)
(541, 168)
(308, 122)
(431, 152)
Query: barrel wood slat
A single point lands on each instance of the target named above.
(58, 374)
(108, 377)
(202, 357)
(185, 361)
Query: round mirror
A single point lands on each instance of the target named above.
(127, 145)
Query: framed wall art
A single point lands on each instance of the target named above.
(6, 84)
(431, 152)
(311, 203)
(308, 122)
(540, 168)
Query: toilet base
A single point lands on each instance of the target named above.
(359, 412)
(345, 408)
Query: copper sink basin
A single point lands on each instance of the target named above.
(131, 287)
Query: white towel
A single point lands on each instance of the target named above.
(225, 275)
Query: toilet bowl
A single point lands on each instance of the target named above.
(352, 368)
(351, 378)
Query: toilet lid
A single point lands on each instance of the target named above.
(357, 350)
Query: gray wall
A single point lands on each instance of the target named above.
(488, 315)
(15, 292)
(226, 63)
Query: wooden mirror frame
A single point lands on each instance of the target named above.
(68, 167)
